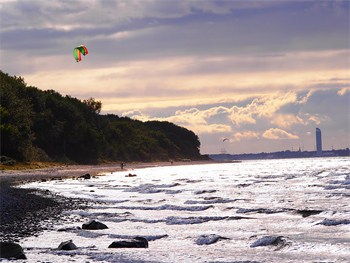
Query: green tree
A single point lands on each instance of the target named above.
(15, 119)
(93, 105)
(44, 124)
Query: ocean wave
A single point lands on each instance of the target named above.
(166, 207)
(212, 201)
(148, 237)
(173, 220)
(334, 222)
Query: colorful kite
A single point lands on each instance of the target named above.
(78, 51)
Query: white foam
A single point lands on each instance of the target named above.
(178, 208)
(166, 207)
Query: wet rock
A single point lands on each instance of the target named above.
(148, 238)
(57, 178)
(306, 213)
(94, 225)
(209, 239)
(11, 250)
(85, 176)
(269, 241)
(67, 245)
(68, 229)
(137, 242)
(238, 217)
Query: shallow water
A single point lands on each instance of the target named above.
(209, 213)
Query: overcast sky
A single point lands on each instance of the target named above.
(263, 74)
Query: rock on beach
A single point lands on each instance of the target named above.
(67, 245)
(269, 241)
(10, 250)
(137, 242)
(94, 225)
(209, 239)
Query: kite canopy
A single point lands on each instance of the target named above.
(78, 51)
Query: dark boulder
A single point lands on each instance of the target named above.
(306, 213)
(94, 225)
(209, 239)
(269, 241)
(67, 245)
(85, 176)
(11, 250)
(130, 175)
(137, 242)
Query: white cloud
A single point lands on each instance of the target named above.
(192, 119)
(343, 91)
(278, 134)
(245, 135)
(135, 114)
(318, 119)
(286, 120)
(197, 121)
(305, 98)
(261, 107)
(242, 115)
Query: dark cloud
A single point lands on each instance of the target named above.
(195, 30)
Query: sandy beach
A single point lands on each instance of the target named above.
(69, 171)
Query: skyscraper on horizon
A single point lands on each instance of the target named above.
(318, 142)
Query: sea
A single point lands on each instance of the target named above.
(281, 210)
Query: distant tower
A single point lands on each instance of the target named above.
(318, 142)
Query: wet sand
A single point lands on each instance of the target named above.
(69, 171)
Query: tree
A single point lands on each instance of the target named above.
(40, 124)
(94, 106)
(16, 119)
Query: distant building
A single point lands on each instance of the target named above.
(318, 142)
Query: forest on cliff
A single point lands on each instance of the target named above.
(39, 125)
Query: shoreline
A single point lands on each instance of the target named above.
(27, 212)
(70, 171)
(238, 206)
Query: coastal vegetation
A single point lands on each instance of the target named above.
(39, 125)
